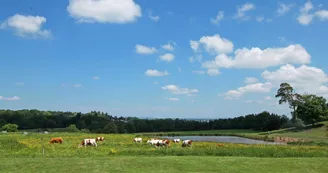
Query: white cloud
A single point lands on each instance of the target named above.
(14, 98)
(153, 18)
(168, 57)
(104, 11)
(250, 88)
(20, 83)
(267, 98)
(259, 18)
(322, 14)
(213, 72)
(96, 77)
(156, 73)
(241, 10)
(284, 8)
(27, 26)
(254, 101)
(257, 58)
(250, 80)
(198, 72)
(77, 85)
(304, 17)
(169, 46)
(218, 18)
(145, 50)
(195, 58)
(173, 99)
(303, 78)
(194, 45)
(213, 44)
(177, 90)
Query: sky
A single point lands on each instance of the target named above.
(161, 59)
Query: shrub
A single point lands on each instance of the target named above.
(85, 130)
(72, 128)
(10, 127)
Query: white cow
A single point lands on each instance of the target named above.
(137, 140)
(176, 140)
(152, 141)
(86, 142)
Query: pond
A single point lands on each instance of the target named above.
(230, 139)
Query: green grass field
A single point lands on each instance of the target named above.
(167, 164)
(23, 153)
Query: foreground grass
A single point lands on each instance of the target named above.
(166, 164)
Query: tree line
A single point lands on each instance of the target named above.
(305, 108)
(99, 122)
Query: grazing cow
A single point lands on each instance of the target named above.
(137, 140)
(166, 143)
(86, 142)
(152, 141)
(220, 145)
(176, 140)
(56, 140)
(186, 143)
(100, 138)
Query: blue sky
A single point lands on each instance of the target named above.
(150, 58)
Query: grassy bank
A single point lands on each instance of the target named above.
(169, 164)
(19, 145)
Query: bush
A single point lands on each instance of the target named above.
(85, 130)
(10, 127)
(72, 128)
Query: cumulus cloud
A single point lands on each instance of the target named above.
(241, 10)
(104, 11)
(141, 49)
(169, 46)
(322, 14)
(218, 18)
(213, 72)
(250, 88)
(177, 90)
(303, 78)
(153, 18)
(254, 101)
(305, 17)
(156, 73)
(283, 9)
(168, 57)
(27, 26)
(259, 18)
(173, 99)
(250, 80)
(257, 58)
(14, 98)
(213, 44)
(96, 77)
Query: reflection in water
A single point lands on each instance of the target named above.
(230, 139)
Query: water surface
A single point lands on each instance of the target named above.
(230, 139)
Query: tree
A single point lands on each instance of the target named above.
(312, 109)
(111, 127)
(287, 95)
(10, 127)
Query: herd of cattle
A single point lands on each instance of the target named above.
(154, 142)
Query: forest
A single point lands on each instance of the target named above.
(306, 109)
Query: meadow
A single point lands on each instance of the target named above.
(118, 153)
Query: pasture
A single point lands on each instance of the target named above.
(168, 164)
(31, 145)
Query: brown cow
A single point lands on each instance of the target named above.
(56, 140)
(100, 138)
